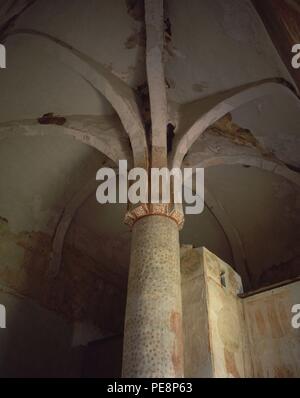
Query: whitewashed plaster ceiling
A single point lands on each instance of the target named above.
(86, 62)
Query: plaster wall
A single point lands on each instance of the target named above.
(274, 343)
(230, 30)
(51, 320)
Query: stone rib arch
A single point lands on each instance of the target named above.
(220, 213)
(82, 128)
(119, 94)
(114, 149)
(253, 161)
(232, 235)
(90, 188)
(227, 103)
(64, 224)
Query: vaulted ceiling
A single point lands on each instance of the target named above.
(76, 94)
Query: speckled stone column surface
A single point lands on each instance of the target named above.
(153, 331)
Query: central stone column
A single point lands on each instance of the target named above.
(153, 344)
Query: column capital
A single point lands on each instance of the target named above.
(140, 210)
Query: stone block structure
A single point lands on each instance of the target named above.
(231, 334)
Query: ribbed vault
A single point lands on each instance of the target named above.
(137, 106)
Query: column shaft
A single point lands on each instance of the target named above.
(153, 327)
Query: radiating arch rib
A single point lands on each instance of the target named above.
(224, 104)
(119, 94)
(254, 161)
(233, 235)
(154, 15)
(64, 225)
(86, 129)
